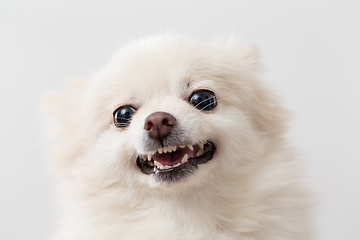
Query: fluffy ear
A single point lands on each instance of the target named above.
(246, 53)
(250, 54)
(269, 114)
(60, 107)
(60, 111)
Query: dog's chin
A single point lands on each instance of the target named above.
(175, 163)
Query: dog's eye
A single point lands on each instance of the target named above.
(122, 116)
(203, 100)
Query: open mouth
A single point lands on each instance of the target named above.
(173, 163)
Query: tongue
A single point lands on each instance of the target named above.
(174, 157)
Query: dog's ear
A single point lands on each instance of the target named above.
(246, 53)
(270, 116)
(60, 107)
(250, 54)
(60, 110)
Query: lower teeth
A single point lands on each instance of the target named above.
(160, 166)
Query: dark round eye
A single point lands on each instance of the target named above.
(203, 100)
(122, 116)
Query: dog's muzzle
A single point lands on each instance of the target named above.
(171, 163)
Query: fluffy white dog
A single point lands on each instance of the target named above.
(176, 139)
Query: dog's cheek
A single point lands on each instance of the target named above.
(109, 161)
(136, 133)
(236, 138)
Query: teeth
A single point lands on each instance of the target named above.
(159, 165)
(185, 158)
(200, 152)
(149, 156)
(167, 149)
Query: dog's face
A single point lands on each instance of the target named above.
(170, 112)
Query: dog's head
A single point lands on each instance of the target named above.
(167, 111)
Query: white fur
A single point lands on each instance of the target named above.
(249, 190)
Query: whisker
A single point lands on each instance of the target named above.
(122, 124)
(123, 118)
(204, 101)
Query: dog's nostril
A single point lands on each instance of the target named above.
(159, 124)
(148, 125)
(166, 122)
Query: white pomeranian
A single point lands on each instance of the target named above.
(176, 139)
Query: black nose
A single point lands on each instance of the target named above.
(159, 125)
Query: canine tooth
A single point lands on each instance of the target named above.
(160, 150)
(159, 165)
(190, 147)
(176, 165)
(184, 159)
(200, 152)
(149, 157)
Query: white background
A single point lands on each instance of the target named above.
(310, 48)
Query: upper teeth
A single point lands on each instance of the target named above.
(149, 156)
(169, 149)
